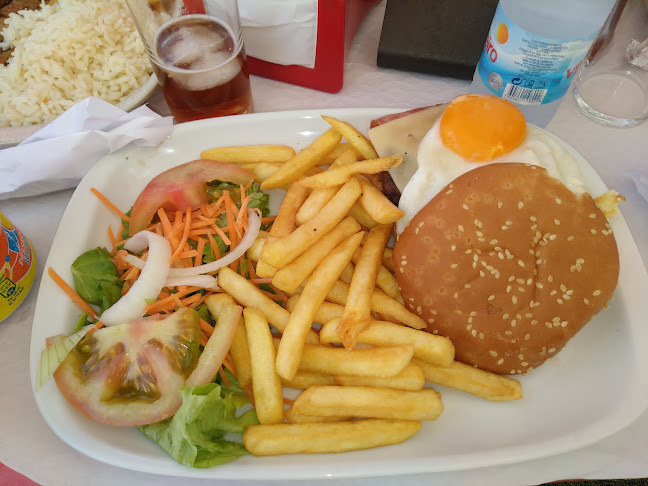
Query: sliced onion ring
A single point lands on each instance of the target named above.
(203, 281)
(147, 287)
(254, 223)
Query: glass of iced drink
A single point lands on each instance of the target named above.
(198, 56)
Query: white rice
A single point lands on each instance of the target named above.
(66, 52)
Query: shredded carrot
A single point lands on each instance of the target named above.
(268, 219)
(164, 219)
(113, 240)
(214, 247)
(76, 298)
(260, 280)
(152, 308)
(203, 339)
(185, 235)
(288, 401)
(248, 391)
(98, 325)
(108, 203)
(206, 327)
(229, 363)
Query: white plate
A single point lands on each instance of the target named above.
(597, 385)
(14, 135)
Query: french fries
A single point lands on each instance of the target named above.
(240, 352)
(249, 296)
(227, 315)
(293, 417)
(304, 160)
(357, 309)
(266, 385)
(433, 349)
(309, 438)
(340, 175)
(290, 277)
(250, 154)
(376, 204)
(319, 197)
(301, 318)
(472, 380)
(283, 224)
(357, 140)
(385, 280)
(304, 379)
(411, 378)
(383, 361)
(282, 251)
(325, 312)
(370, 402)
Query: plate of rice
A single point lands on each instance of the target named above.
(61, 53)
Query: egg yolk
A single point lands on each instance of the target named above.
(480, 128)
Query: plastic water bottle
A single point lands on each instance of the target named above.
(533, 50)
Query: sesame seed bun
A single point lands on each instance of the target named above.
(509, 264)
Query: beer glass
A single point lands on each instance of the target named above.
(198, 56)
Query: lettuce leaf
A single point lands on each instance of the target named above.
(95, 278)
(195, 435)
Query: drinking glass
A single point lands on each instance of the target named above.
(611, 86)
(198, 56)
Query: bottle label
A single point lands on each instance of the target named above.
(17, 267)
(526, 68)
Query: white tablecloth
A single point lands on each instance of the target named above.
(30, 447)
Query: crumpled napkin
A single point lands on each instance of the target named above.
(58, 156)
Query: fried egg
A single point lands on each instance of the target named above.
(476, 130)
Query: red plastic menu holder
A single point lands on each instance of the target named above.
(337, 23)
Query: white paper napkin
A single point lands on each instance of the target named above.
(58, 156)
(280, 31)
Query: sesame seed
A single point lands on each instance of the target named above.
(533, 218)
(548, 324)
(560, 301)
(592, 215)
(552, 350)
(474, 264)
(493, 242)
(505, 316)
(524, 363)
(481, 336)
(431, 321)
(416, 230)
(467, 286)
(493, 353)
(401, 269)
(563, 288)
(418, 309)
(550, 278)
(453, 247)
(499, 205)
(509, 223)
(421, 224)
(539, 285)
(534, 322)
(481, 273)
(527, 336)
(491, 297)
(454, 265)
(520, 205)
(473, 313)
(460, 227)
(473, 332)
(538, 261)
(564, 323)
(552, 237)
(456, 295)
(411, 299)
(586, 301)
(558, 201)
(508, 288)
(433, 312)
(511, 278)
(593, 231)
(553, 292)
(435, 331)
(468, 251)
(514, 299)
(508, 333)
(500, 361)
(479, 233)
(465, 206)
(469, 327)
(404, 262)
(520, 356)
(449, 191)
(521, 289)
(569, 238)
(475, 258)
(513, 323)
(521, 263)
(504, 228)
(596, 293)
(528, 315)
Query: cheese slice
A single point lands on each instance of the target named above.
(402, 136)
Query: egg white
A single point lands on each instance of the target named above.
(438, 166)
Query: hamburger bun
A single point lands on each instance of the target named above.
(509, 264)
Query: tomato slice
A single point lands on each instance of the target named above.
(182, 187)
(131, 374)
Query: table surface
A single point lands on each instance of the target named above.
(30, 447)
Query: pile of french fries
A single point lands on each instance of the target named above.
(344, 338)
